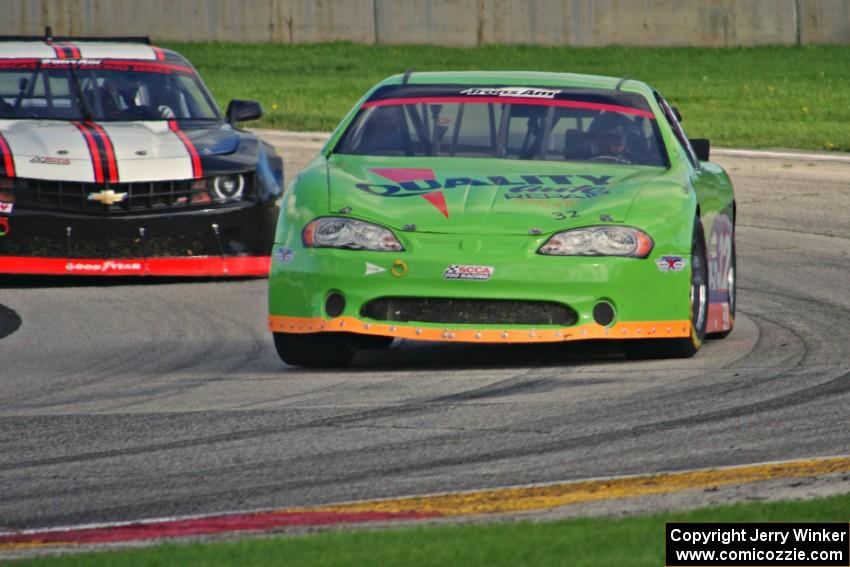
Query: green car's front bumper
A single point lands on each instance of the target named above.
(648, 302)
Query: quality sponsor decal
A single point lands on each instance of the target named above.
(103, 267)
(6, 208)
(409, 182)
(671, 263)
(407, 179)
(373, 269)
(518, 92)
(49, 160)
(461, 272)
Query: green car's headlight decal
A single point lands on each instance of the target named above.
(599, 241)
(351, 234)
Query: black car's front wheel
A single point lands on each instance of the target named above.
(683, 347)
(316, 349)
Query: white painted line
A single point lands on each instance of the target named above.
(120, 524)
(317, 137)
(770, 154)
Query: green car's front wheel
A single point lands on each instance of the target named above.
(685, 347)
(316, 349)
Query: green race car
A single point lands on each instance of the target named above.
(504, 207)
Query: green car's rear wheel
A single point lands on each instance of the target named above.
(316, 349)
(684, 347)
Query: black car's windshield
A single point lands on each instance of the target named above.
(103, 91)
(506, 122)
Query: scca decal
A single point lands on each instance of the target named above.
(460, 272)
(592, 185)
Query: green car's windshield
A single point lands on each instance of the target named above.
(104, 92)
(506, 122)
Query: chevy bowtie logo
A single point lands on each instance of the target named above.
(107, 197)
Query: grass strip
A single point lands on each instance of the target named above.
(778, 97)
(633, 541)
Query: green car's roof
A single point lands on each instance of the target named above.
(521, 78)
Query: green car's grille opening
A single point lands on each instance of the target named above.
(469, 311)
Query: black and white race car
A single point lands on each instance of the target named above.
(115, 160)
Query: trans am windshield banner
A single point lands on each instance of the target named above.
(590, 99)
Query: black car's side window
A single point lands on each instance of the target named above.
(676, 126)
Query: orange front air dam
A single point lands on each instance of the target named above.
(627, 330)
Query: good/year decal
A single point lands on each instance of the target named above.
(408, 182)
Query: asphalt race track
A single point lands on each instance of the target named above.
(122, 400)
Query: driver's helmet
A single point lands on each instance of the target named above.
(123, 89)
(610, 134)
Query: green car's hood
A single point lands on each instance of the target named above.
(463, 195)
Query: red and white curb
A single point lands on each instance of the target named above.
(453, 504)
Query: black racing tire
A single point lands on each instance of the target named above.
(326, 350)
(684, 347)
(733, 294)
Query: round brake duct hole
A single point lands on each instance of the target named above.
(604, 313)
(334, 304)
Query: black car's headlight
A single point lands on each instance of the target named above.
(599, 241)
(352, 234)
(227, 187)
(218, 189)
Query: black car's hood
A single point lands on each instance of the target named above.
(136, 151)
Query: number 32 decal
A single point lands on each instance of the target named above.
(559, 215)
